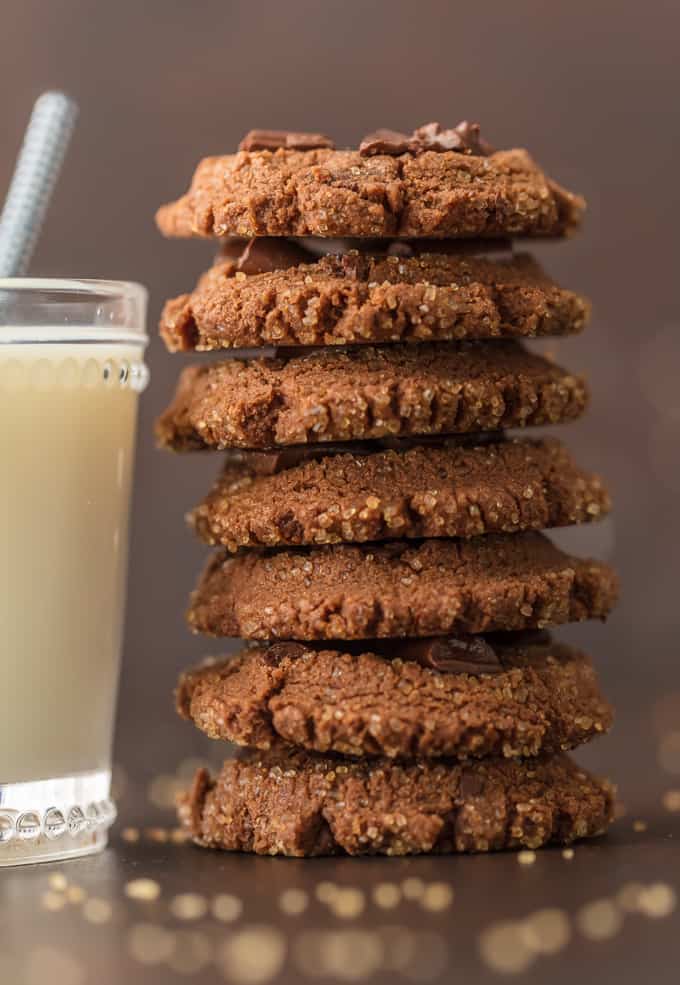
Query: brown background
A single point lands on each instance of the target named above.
(590, 87)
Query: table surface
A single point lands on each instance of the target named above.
(155, 910)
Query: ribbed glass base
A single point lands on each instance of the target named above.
(48, 820)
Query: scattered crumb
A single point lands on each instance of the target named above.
(144, 890)
(293, 902)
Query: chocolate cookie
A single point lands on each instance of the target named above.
(326, 192)
(334, 395)
(288, 802)
(543, 697)
(433, 588)
(357, 298)
(427, 491)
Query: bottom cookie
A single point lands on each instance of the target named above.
(289, 802)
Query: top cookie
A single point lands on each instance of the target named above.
(419, 185)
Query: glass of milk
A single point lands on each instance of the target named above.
(71, 371)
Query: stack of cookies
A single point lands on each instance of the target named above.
(378, 535)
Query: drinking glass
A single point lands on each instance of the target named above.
(71, 371)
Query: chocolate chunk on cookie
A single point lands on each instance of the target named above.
(324, 192)
(433, 588)
(289, 802)
(334, 395)
(428, 491)
(538, 697)
(290, 139)
(356, 298)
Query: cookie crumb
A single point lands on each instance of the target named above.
(144, 890)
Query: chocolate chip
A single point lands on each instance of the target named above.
(389, 142)
(469, 134)
(446, 654)
(452, 654)
(230, 248)
(290, 140)
(269, 462)
(432, 137)
(464, 139)
(264, 254)
(278, 460)
(277, 652)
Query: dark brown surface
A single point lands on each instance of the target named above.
(441, 943)
(569, 81)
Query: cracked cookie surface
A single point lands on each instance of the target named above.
(423, 491)
(358, 298)
(431, 588)
(331, 193)
(543, 698)
(368, 392)
(290, 802)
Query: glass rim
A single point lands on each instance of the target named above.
(83, 285)
(56, 311)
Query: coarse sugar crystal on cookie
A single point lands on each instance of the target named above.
(400, 588)
(446, 487)
(359, 298)
(425, 184)
(368, 392)
(291, 802)
(460, 697)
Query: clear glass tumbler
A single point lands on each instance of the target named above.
(71, 370)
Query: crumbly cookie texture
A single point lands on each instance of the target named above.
(420, 492)
(289, 802)
(367, 392)
(546, 699)
(355, 298)
(325, 192)
(433, 588)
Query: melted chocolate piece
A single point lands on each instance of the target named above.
(275, 460)
(445, 654)
(289, 139)
(464, 139)
(276, 652)
(262, 255)
(230, 248)
(389, 142)
(452, 654)
(433, 137)
(474, 144)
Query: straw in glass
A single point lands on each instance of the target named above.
(35, 175)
